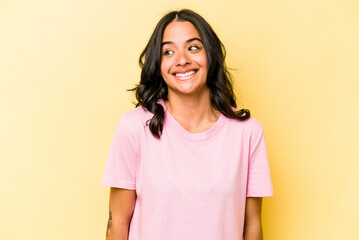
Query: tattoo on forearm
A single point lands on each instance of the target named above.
(109, 223)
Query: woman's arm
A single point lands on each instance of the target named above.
(252, 223)
(122, 204)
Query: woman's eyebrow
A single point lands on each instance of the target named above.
(193, 39)
(188, 41)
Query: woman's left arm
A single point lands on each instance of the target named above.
(252, 223)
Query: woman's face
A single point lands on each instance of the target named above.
(183, 60)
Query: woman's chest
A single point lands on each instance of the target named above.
(175, 167)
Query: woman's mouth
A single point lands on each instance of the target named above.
(185, 75)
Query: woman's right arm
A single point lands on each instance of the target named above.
(122, 204)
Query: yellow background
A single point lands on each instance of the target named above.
(64, 69)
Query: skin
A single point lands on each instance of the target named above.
(188, 97)
(183, 51)
(252, 222)
(122, 204)
(189, 103)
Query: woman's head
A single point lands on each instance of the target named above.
(152, 85)
(184, 61)
(150, 59)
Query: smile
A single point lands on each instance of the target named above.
(185, 75)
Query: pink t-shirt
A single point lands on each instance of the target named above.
(189, 186)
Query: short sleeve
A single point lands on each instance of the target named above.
(259, 182)
(120, 168)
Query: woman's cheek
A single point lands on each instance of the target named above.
(165, 66)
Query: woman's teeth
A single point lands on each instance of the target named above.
(185, 74)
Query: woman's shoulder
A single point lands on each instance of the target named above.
(252, 124)
(138, 112)
(133, 123)
(137, 116)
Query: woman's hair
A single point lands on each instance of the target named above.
(152, 86)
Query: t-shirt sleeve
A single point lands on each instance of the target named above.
(120, 168)
(259, 182)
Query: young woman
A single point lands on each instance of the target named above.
(185, 164)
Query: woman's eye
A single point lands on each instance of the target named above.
(192, 48)
(168, 52)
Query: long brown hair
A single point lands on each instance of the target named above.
(152, 86)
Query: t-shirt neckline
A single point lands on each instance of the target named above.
(172, 123)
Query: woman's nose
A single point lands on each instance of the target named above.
(182, 58)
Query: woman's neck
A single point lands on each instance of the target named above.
(194, 113)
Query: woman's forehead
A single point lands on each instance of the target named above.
(179, 32)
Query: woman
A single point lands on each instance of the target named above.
(185, 164)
